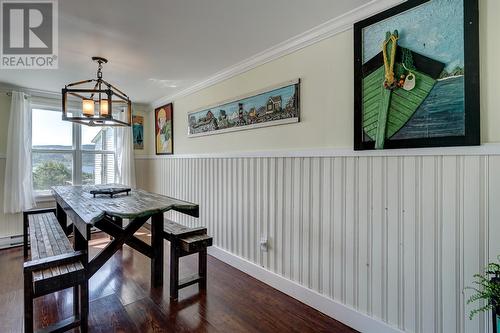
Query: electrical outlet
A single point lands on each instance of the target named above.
(264, 245)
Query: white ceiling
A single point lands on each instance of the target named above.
(159, 47)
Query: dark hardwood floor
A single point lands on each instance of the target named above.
(121, 299)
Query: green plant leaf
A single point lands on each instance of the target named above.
(485, 289)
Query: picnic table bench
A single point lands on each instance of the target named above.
(53, 266)
(185, 241)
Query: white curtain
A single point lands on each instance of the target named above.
(18, 185)
(125, 162)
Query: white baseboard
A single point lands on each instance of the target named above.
(347, 315)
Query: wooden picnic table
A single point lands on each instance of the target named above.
(106, 214)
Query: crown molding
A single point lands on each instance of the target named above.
(7, 88)
(323, 31)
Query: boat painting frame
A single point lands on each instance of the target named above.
(472, 135)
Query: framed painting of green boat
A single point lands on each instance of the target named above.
(416, 76)
(276, 105)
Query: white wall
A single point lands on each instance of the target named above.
(396, 238)
(324, 98)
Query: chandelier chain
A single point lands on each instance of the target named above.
(99, 70)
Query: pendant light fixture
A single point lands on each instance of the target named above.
(96, 102)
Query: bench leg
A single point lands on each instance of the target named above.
(81, 243)
(28, 303)
(76, 301)
(202, 269)
(84, 307)
(174, 270)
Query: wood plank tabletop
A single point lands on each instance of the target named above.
(138, 203)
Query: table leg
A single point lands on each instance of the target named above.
(157, 247)
(81, 302)
(202, 268)
(118, 221)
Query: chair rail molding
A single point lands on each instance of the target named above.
(492, 149)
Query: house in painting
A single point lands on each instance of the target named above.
(273, 104)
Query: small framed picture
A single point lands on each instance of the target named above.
(164, 129)
(138, 132)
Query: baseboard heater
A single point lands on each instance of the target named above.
(11, 241)
(17, 240)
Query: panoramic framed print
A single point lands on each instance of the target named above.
(416, 76)
(272, 106)
(164, 130)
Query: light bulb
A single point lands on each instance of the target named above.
(88, 107)
(104, 110)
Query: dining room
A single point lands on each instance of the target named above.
(249, 166)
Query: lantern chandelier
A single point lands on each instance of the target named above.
(102, 105)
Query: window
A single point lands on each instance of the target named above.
(98, 157)
(65, 153)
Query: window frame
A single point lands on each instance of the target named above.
(76, 150)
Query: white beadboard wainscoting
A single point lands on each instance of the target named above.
(395, 238)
